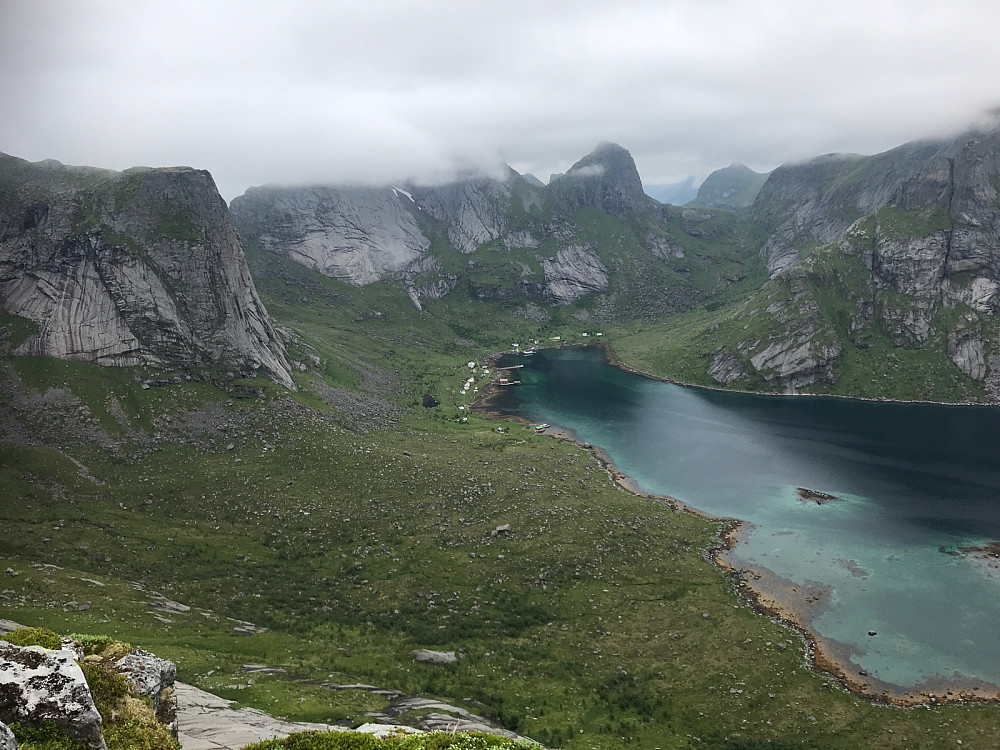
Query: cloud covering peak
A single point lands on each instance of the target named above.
(305, 92)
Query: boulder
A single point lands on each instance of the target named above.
(426, 656)
(154, 678)
(38, 685)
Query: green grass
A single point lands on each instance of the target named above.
(899, 223)
(354, 544)
(16, 330)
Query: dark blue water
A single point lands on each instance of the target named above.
(915, 482)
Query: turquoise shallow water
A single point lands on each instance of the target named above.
(916, 482)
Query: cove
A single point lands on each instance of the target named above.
(882, 575)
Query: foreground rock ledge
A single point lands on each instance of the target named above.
(39, 685)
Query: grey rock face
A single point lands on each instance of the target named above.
(803, 349)
(7, 740)
(663, 248)
(966, 349)
(358, 235)
(39, 686)
(725, 368)
(474, 210)
(138, 267)
(206, 722)
(572, 273)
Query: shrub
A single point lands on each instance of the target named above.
(48, 737)
(129, 722)
(33, 637)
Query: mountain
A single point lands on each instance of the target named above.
(676, 194)
(893, 257)
(605, 179)
(735, 186)
(590, 238)
(141, 267)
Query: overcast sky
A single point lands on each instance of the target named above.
(277, 91)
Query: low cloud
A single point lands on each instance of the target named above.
(307, 92)
(591, 170)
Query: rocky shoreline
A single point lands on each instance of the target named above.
(762, 588)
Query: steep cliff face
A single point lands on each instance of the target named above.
(138, 267)
(803, 205)
(355, 234)
(477, 210)
(573, 273)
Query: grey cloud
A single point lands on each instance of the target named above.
(296, 92)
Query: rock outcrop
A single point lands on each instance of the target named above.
(572, 273)
(38, 686)
(966, 348)
(152, 677)
(142, 267)
(207, 722)
(476, 210)
(427, 656)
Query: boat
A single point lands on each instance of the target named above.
(540, 427)
(507, 381)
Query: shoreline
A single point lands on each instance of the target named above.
(801, 602)
(613, 360)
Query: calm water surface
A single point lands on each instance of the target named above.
(916, 483)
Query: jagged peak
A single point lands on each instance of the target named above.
(606, 156)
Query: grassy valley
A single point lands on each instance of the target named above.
(329, 532)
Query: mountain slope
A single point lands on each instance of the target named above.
(590, 239)
(735, 186)
(893, 257)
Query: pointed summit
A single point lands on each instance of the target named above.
(606, 179)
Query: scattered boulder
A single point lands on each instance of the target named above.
(426, 656)
(38, 685)
(501, 530)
